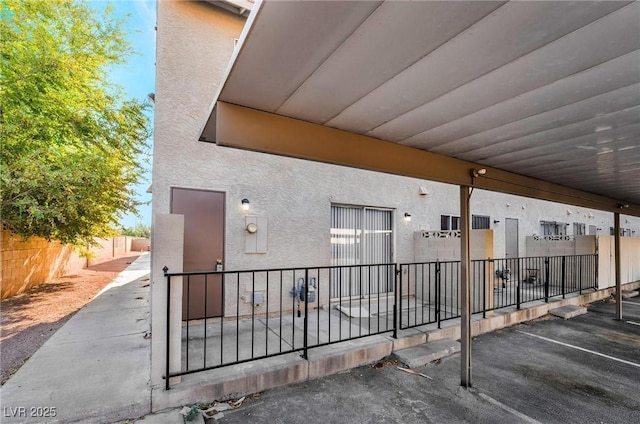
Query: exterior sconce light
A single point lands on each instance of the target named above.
(245, 204)
(407, 217)
(622, 205)
(496, 221)
(569, 212)
(475, 173)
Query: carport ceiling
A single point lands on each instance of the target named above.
(549, 90)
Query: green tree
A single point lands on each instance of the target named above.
(140, 230)
(71, 141)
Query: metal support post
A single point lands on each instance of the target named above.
(564, 273)
(465, 289)
(616, 226)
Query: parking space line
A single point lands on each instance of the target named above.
(581, 348)
(630, 303)
(634, 323)
(499, 404)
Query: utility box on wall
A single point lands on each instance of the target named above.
(256, 230)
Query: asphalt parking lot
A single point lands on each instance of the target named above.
(583, 370)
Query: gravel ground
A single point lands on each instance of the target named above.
(29, 319)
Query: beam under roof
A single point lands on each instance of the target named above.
(250, 129)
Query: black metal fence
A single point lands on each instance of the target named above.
(430, 290)
(231, 317)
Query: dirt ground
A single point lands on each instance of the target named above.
(29, 319)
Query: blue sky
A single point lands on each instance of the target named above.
(137, 76)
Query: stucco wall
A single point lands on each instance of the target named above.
(140, 244)
(629, 260)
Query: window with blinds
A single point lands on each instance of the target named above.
(553, 228)
(452, 222)
(360, 236)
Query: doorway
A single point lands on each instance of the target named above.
(511, 245)
(511, 238)
(204, 217)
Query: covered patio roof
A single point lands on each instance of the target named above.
(544, 95)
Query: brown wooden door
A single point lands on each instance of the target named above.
(203, 245)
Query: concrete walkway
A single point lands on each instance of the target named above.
(96, 368)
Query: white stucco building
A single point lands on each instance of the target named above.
(296, 213)
(294, 197)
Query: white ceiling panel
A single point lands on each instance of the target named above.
(497, 141)
(614, 35)
(293, 39)
(418, 29)
(511, 31)
(567, 149)
(581, 86)
(545, 89)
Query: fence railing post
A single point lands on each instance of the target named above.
(397, 286)
(484, 289)
(579, 274)
(438, 292)
(166, 375)
(564, 268)
(306, 315)
(546, 279)
(518, 293)
(594, 261)
(519, 271)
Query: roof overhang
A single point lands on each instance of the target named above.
(544, 95)
(240, 7)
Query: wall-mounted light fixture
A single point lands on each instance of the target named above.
(478, 172)
(245, 204)
(424, 191)
(407, 217)
(475, 173)
(496, 221)
(569, 212)
(622, 205)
